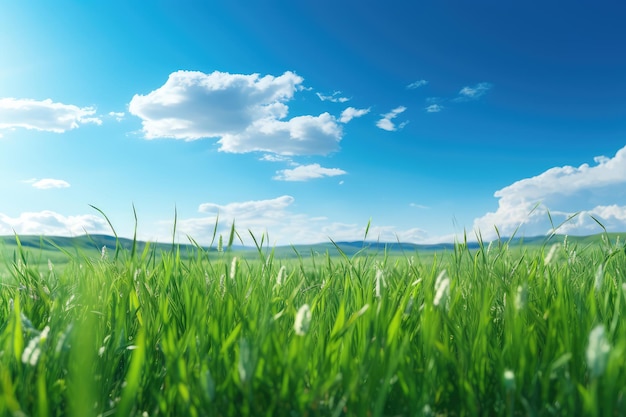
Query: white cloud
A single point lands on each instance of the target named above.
(301, 135)
(44, 115)
(472, 93)
(416, 84)
(351, 113)
(334, 97)
(118, 115)
(52, 224)
(419, 206)
(434, 108)
(275, 158)
(307, 172)
(282, 225)
(47, 183)
(245, 112)
(386, 122)
(598, 190)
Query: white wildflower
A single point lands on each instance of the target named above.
(597, 351)
(103, 253)
(303, 320)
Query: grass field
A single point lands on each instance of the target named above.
(530, 330)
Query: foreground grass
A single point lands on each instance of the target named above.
(492, 331)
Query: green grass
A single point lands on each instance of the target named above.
(499, 330)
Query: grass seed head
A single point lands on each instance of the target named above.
(597, 351)
(442, 288)
(233, 268)
(303, 320)
(280, 276)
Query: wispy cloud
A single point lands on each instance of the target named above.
(434, 108)
(472, 93)
(246, 112)
(47, 183)
(53, 224)
(307, 172)
(598, 190)
(351, 113)
(334, 97)
(118, 115)
(270, 157)
(386, 122)
(419, 206)
(417, 84)
(44, 115)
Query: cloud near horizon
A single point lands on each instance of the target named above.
(246, 113)
(598, 191)
(44, 115)
(49, 223)
(285, 226)
(307, 172)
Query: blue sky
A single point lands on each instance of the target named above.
(304, 120)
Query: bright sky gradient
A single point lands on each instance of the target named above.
(304, 120)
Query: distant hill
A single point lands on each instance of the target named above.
(88, 243)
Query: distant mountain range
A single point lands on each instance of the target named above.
(96, 242)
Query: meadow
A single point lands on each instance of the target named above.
(499, 329)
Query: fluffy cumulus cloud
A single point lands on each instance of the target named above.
(44, 115)
(278, 220)
(597, 190)
(307, 172)
(47, 183)
(52, 224)
(472, 93)
(245, 112)
(352, 113)
(386, 122)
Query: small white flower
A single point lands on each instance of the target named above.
(103, 252)
(303, 320)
